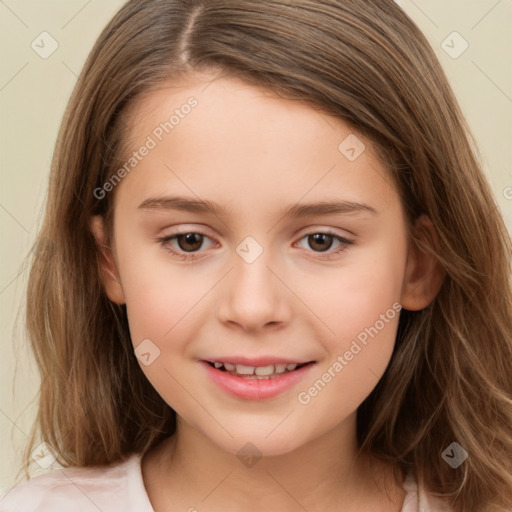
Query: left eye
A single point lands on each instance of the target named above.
(322, 242)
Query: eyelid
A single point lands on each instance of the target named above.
(182, 229)
(319, 228)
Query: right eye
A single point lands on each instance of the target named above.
(184, 245)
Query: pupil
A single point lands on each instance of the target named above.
(320, 241)
(191, 239)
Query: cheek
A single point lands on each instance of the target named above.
(360, 310)
(353, 297)
(161, 297)
(359, 348)
(363, 315)
(163, 307)
(348, 377)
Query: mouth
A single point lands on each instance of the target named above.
(259, 379)
(269, 371)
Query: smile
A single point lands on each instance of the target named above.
(256, 372)
(256, 381)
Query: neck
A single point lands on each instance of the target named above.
(190, 472)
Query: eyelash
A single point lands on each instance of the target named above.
(165, 242)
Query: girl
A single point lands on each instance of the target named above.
(271, 274)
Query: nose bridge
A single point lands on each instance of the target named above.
(252, 296)
(253, 276)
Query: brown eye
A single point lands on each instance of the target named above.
(324, 244)
(320, 241)
(187, 245)
(190, 242)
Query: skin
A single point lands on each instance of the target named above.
(255, 154)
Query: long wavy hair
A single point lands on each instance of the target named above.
(450, 376)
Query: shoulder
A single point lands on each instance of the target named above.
(118, 487)
(417, 499)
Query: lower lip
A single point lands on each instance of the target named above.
(256, 389)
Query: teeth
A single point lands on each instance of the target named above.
(259, 371)
(244, 370)
(264, 370)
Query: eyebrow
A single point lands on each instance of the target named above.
(297, 210)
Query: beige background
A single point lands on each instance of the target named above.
(33, 95)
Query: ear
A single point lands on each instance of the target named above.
(423, 273)
(108, 268)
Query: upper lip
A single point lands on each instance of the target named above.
(256, 361)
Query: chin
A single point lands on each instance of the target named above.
(262, 441)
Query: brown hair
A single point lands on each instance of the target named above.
(450, 376)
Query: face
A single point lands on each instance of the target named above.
(261, 250)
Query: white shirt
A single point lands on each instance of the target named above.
(120, 488)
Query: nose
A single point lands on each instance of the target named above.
(252, 297)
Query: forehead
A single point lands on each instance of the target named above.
(225, 100)
(221, 136)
